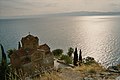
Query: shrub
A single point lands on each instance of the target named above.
(91, 71)
(70, 51)
(67, 59)
(88, 60)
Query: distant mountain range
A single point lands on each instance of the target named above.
(81, 13)
(86, 13)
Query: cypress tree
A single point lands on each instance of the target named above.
(80, 56)
(75, 57)
(4, 59)
(3, 66)
(19, 45)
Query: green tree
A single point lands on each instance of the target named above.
(70, 51)
(75, 57)
(80, 57)
(67, 59)
(19, 45)
(3, 66)
(88, 60)
(4, 59)
(57, 52)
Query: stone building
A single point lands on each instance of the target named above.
(31, 56)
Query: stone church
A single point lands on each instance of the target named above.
(31, 56)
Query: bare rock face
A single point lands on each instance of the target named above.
(32, 56)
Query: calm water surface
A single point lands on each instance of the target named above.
(97, 36)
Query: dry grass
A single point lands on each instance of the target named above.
(54, 75)
(49, 76)
(92, 68)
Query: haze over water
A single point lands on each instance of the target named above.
(96, 36)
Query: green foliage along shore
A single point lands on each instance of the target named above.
(57, 52)
(67, 59)
(70, 51)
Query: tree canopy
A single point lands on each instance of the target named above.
(70, 51)
(57, 52)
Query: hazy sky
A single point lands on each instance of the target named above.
(36, 7)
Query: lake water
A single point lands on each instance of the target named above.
(96, 36)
